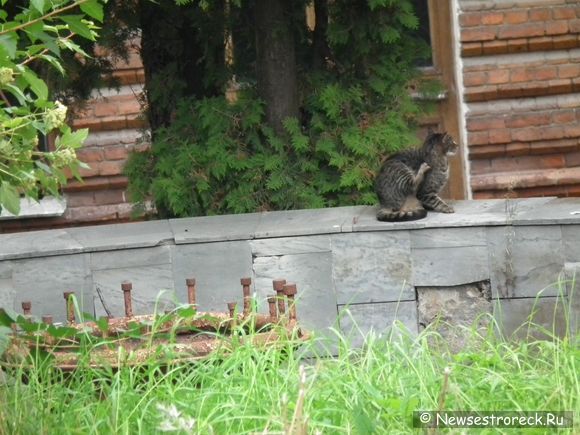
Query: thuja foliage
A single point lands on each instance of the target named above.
(221, 157)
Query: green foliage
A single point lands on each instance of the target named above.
(219, 157)
(32, 38)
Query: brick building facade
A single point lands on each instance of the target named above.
(512, 71)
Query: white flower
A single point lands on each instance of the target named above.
(6, 75)
(54, 118)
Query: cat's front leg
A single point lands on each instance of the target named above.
(433, 202)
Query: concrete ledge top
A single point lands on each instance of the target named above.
(532, 211)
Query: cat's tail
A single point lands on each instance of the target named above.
(388, 215)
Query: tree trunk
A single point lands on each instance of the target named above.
(276, 62)
(320, 49)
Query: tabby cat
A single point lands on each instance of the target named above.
(409, 182)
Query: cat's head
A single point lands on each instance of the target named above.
(443, 143)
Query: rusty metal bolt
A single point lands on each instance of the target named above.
(26, 307)
(126, 286)
(70, 308)
(272, 307)
(278, 285)
(290, 291)
(232, 308)
(49, 339)
(190, 282)
(47, 320)
(246, 282)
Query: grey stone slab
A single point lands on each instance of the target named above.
(152, 289)
(312, 273)
(372, 267)
(525, 261)
(29, 208)
(290, 245)
(37, 244)
(306, 222)
(43, 281)
(367, 221)
(122, 236)
(217, 268)
(571, 240)
(357, 321)
(122, 259)
(448, 237)
(215, 228)
(555, 211)
(520, 318)
(434, 267)
(467, 213)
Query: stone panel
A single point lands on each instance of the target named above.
(290, 245)
(572, 284)
(131, 258)
(450, 266)
(556, 211)
(356, 321)
(312, 273)
(525, 260)
(43, 281)
(448, 237)
(571, 240)
(513, 315)
(372, 267)
(217, 268)
(7, 291)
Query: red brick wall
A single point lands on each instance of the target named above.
(521, 72)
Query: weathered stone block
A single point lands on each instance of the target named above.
(448, 237)
(356, 321)
(290, 245)
(572, 286)
(525, 260)
(43, 281)
(517, 317)
(312, 273)
(217, 268)
(448, 309)
(553, 212)
(372, 267)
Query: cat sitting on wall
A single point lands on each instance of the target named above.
(409, 182)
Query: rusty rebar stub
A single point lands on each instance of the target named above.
(290, 291)
(47, 320)
(190, 282)
(278, 285)
(126, 286)
(26, 307)
(246, 282)
(272, 307)
(70, 308)
(232, 308)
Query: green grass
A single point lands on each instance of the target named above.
(260, 391)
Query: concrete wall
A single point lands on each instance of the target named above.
(338, 257)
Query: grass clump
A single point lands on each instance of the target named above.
(290, 389)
